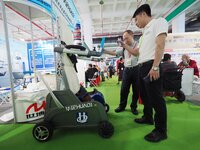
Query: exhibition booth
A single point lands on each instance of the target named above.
(28, 28)
(46, 47)
(43, 25)
(33, 28)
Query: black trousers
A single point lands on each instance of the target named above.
(130, 77)
(152, 97)
(102, 76)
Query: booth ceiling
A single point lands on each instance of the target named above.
(114, 16)
(109, 19)
(18, 20)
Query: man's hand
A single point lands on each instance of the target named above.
(132, 50)
(154, 75)
(185, 63)
(181, 68)
(121, 43)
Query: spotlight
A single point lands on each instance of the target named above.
(101, 2)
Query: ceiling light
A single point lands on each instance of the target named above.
(101, 2)
(22, 40)
(194, 19)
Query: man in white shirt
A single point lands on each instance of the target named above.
(103, 69)
(130, 73)
(151, 49)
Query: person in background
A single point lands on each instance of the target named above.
(103, 69)
(89, 74)
(151, 49)
(120, 69)
(96, 71)
(110, 70)
(2, 73)
(130, 73)
(106, 73)
(189, 63)
(167, 64)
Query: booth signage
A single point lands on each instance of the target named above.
(38, 58)
(30, 105)
(37, 110)
(68, 10)
(44, 55)
(44, 4)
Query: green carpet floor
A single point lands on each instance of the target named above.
(183, 130)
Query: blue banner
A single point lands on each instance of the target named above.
(69, 11)
(44, 55)
(44, 4)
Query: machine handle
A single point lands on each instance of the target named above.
(79, 47)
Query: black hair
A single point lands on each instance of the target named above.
(143, 8)
(166, 57)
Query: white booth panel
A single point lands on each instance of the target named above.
(187, 81)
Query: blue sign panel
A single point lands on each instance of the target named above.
(38, 58)
(44, 55)
(48, 58)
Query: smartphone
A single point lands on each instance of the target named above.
(147, 79)
(119, 40)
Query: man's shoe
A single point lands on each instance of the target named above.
(119, 109)
(143, 120)
(134, 111)
(155, 136)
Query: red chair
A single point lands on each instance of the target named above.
(95, 81)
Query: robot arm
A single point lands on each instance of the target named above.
(77, 49)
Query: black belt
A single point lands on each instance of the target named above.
(131, 67)
(145, 63)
